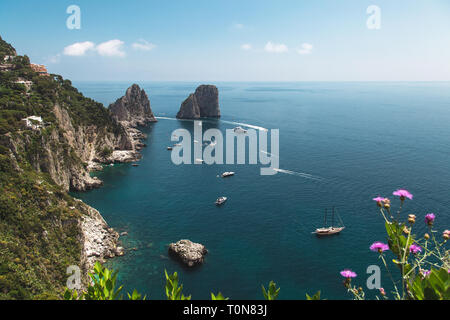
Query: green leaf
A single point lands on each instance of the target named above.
(272, 292)
(219, 296)
(316, 296)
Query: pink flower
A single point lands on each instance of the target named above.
(348, 274)
(403, 194)
(415, 249)
(378, 199)
(379, 247)
(429, 219)
(383, 293)
(426, 272)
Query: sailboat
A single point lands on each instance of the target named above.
(327, 231)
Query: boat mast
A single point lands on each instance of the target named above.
(325, 222)
(332, 217)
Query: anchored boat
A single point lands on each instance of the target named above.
(331, 230)
(221, 201)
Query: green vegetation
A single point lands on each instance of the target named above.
(38, 234)
(272, 293)
(105, 152)
(6, 49)
(103, 287)
(45, 93)
(39, 221)
(423, 262)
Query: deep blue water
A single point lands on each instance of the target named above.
(363, 139)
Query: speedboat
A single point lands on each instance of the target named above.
(221, 201)
(239, 130)
(227, 174)
(169, 148)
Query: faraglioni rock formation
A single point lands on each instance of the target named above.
(133, 109)
(188, 252)
(204, 103)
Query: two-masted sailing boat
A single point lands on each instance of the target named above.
(327, 231)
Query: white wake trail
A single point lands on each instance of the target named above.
(300, 174)
(224, 121)
(268, 153)
(245, 125)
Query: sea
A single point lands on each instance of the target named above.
(340, 145)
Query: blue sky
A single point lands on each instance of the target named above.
(246, 40)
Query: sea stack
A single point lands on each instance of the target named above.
(133, 109)
(204, 103)
(188, 252)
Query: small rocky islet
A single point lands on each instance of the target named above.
(204, 103)
(188, 252)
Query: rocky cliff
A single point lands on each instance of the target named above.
(43, 230)
(204, 103)
(133, 109)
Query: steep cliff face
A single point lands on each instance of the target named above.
(43, 230)
(67, 152)
(204, 103)
(133, 109)
(189, 108)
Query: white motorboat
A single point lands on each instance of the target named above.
(239, 130)
(227, 174)
(221, 201)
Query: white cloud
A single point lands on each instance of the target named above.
(246, 46)
(111, 48)
(238, 26)
(306, 48)
(143, 45)
(78, 48)
(276, 47)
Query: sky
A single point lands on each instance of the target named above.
(230, 40)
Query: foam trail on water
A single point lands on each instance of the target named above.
(245, 125)
(268, 153)
(224, 121)
(299, 174)
(166, 118)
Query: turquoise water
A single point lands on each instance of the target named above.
(363, 139)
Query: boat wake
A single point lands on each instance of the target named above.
(300, 174)
(223, 121)
(245, 125)
(268, 153)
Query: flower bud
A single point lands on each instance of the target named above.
(426, 236)
(446, 234)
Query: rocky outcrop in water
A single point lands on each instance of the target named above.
(188, 252)
(99, 241)
(133, 109)
(204, 103)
